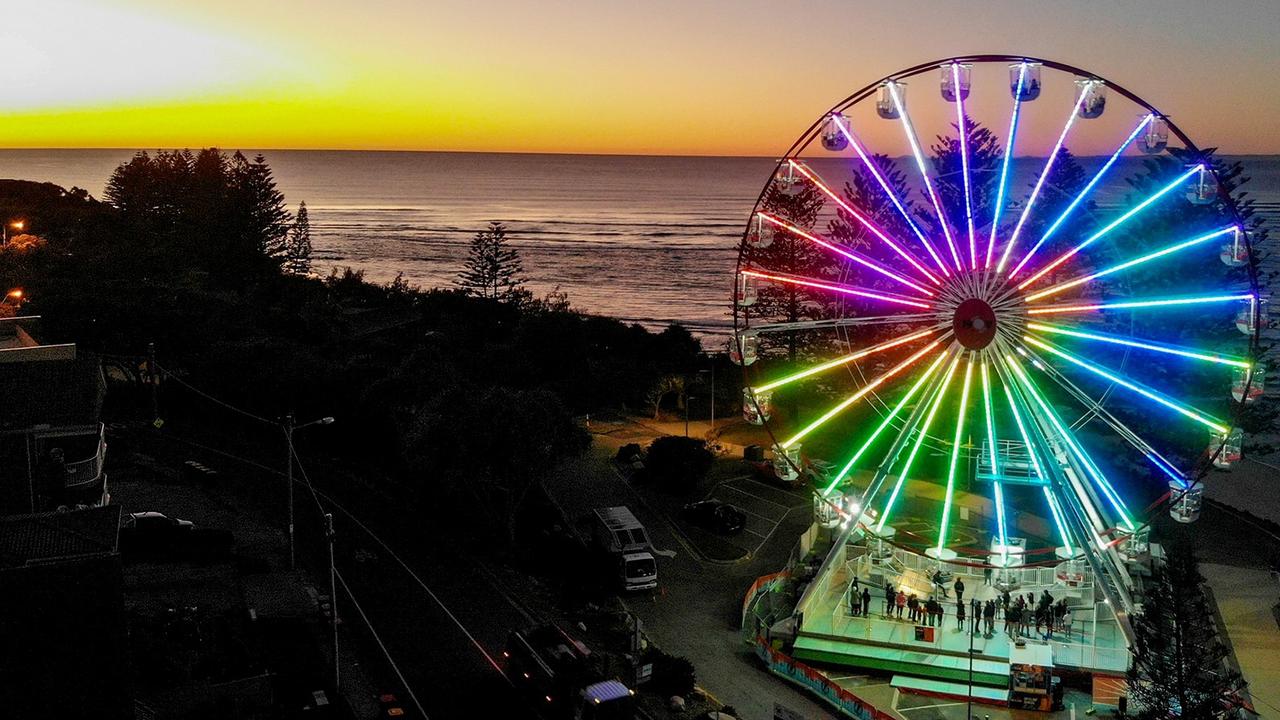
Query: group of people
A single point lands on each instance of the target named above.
(1020, 612)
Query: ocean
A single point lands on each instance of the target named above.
(645, 239)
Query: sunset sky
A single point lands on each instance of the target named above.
(601, 76)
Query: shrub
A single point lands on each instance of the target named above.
(678, 463)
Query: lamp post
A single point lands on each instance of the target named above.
(16, 225)
(289, 427)
(333, 601)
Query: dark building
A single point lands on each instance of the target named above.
(62, 622)
(52, 444)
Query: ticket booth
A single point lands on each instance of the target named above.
(1032, 684)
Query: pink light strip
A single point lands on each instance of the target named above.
(964, 162)
(884, 184)
(813, 178)
(845, 289)
(844, 253)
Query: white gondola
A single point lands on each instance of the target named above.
(1248, 321)
(1030, 87)
(1073, 571)
(1095, 98)
(1247, 385)
(744, 348)
(1226, 449)
(1203, 187)
(786, 462)
(1184, 502)
(1135, 545)
(787, 179)
(1236, 252)
(1156, 138)
(746, 293)
(757, 408)
(760, 234)
(885, 106)
(948, 85)
(826, 510)
(833, 137)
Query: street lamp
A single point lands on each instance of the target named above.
(16, 225)
(289, 427)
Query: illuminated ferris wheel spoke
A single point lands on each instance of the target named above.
(847, 254)
(838, 288)
(964, 163)
(924, 171)
(893, 198)
(956, 450)
(870, 226)
(855, 321)
(1179, 407)
(1177, 183)
(1140, 344)
(1098, 410)
(1168, 250)
(861, 393)
(1058, 520)
(845, 360)
(989, 414)
(921, 434)
(1044, 175)
(888, 419)
(1004, 163)
(1142, 125)
(1138, 304)
(1062, 433)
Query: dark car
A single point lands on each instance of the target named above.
(716, 516)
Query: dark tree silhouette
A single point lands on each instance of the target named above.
(984, 172)
(298, 249)
(493, 269)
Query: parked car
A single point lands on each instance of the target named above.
(155, 522)
(716, 516)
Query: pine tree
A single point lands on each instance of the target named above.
(1178, 667)
(493, 269)
(298, 247)
(984, 170)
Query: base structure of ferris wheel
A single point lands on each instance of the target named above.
(974, 345)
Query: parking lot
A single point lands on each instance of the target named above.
(766, 507)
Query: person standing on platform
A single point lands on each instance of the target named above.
(901, 601)
(866, 602)
(959, 586)
(989, 615)
(959, 615)
(888, 600)
(913, 608)
(986, 576)
(855, 601)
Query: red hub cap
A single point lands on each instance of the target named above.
(975, 324)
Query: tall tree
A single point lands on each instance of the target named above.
(1178, 667)
(984, 169)
(791, 254)
(298, 248)
(493, 269)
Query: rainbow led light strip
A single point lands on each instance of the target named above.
(955, 457)
(844, 471)
(1185, 410)
(845, 289)
(964, 161)
(1083, 193)
(1114, 340)
(924, 172)
(1004, 163)
(849, 255)
(923, 432)
(1044, 175)
(1134, 304)
(843, 360)
(860, 393)
(1169, 250)
(893, 197)
(1112, 225)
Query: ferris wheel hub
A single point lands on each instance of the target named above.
(974, 323)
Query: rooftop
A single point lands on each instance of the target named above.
(45, 537)
(50, 394)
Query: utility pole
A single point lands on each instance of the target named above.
(153, 379)
(333, 601)
(288, 446)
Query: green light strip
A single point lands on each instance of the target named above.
(1079, 452)
(1167, 349)
(884, 424)
(842, 361)
(955, 455)
(1152, 395)
(862, 392)
(991, 441)
(915, 449)
(1035, 464)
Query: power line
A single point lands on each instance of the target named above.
(378, 639)
(213, 399)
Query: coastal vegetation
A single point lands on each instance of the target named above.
(442, 397)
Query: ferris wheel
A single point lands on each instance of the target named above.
(1019, 283)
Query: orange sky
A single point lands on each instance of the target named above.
(603, 76)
